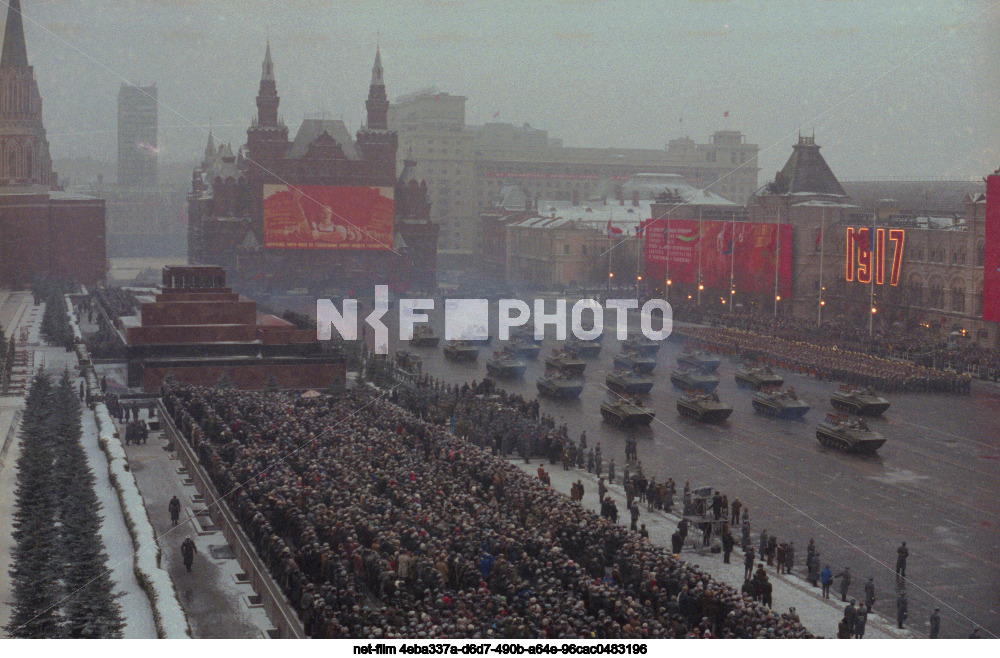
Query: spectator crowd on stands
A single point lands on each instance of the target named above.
(847, 335)
(377, 521)
(827, 362)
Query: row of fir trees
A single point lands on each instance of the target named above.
(61, 583)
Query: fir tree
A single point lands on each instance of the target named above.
(272, 385)
(224, 381)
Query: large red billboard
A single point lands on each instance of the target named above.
(991, 260)
(684, 247)
(327, 217)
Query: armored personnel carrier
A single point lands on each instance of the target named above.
(525, 334)
(626, 413)
(779, 404)
(559, 386)
(690, 379)
(642, 345)
(505, 365)
(460, 350)
(703, 407)
(840, 432)
(632, 360)
(587, 349)
(424, 336)
(859, 401)
(629, 382)
(758, 377)
(566, 361)
(699, 361)
(524, 349)
(408, 361)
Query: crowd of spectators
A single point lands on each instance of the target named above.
(827, 362)
(377, 521)
(117, 302)
(919, 345)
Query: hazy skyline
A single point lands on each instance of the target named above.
(896, 89)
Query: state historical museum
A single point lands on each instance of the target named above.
(319, 235)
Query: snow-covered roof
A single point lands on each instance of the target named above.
(650, 186)
(588, 215)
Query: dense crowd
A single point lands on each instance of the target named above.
(118, 302)
(827, 362)
(921, 346)
(379, 522)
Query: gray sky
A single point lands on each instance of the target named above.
(900, 88)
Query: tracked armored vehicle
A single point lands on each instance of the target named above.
(758, 377)
(840, 432)
(690, 379)
(779, 404)
(703, 407)
(859, 401)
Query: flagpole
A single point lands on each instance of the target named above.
(700, 285)
(871, 269)
(732, 262)
(777, 252)
(667, 240)
(822, 246)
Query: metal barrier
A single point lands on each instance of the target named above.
(272, 598)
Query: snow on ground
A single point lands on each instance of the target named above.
(136, 609)
(818, 615)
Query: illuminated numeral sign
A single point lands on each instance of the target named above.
(866, 260)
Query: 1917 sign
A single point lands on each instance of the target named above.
(863, 261)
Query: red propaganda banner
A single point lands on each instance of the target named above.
(327, 217)
(747, 249)
(991, 260)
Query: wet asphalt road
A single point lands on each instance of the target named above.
(935, 483)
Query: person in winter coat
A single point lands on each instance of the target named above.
(727, 545)
(677, 542)
(935, 624)
(845, 582)
(901, 554)
(174, 506)
(901, 607)
(188, 549)
(814, 571)
(748, 559)
(870, 593)
(826, 577)
(860, 622)
(789, 557)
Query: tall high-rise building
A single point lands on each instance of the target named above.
(137, 147)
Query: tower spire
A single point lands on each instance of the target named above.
(14, 51)
(377, 69)
(267, 68)
(377, 103)
(267, 96)
(210, 147)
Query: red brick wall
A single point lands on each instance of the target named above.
(250, 377)
(40, 237)
(198, 312)
(173, 335)
(23, 225)
(76, 248)
(285, 335)
(197, 297)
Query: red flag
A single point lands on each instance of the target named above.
(613, 230)
(437, 97)
(496, 114)
(819, 239)
(726, 113)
